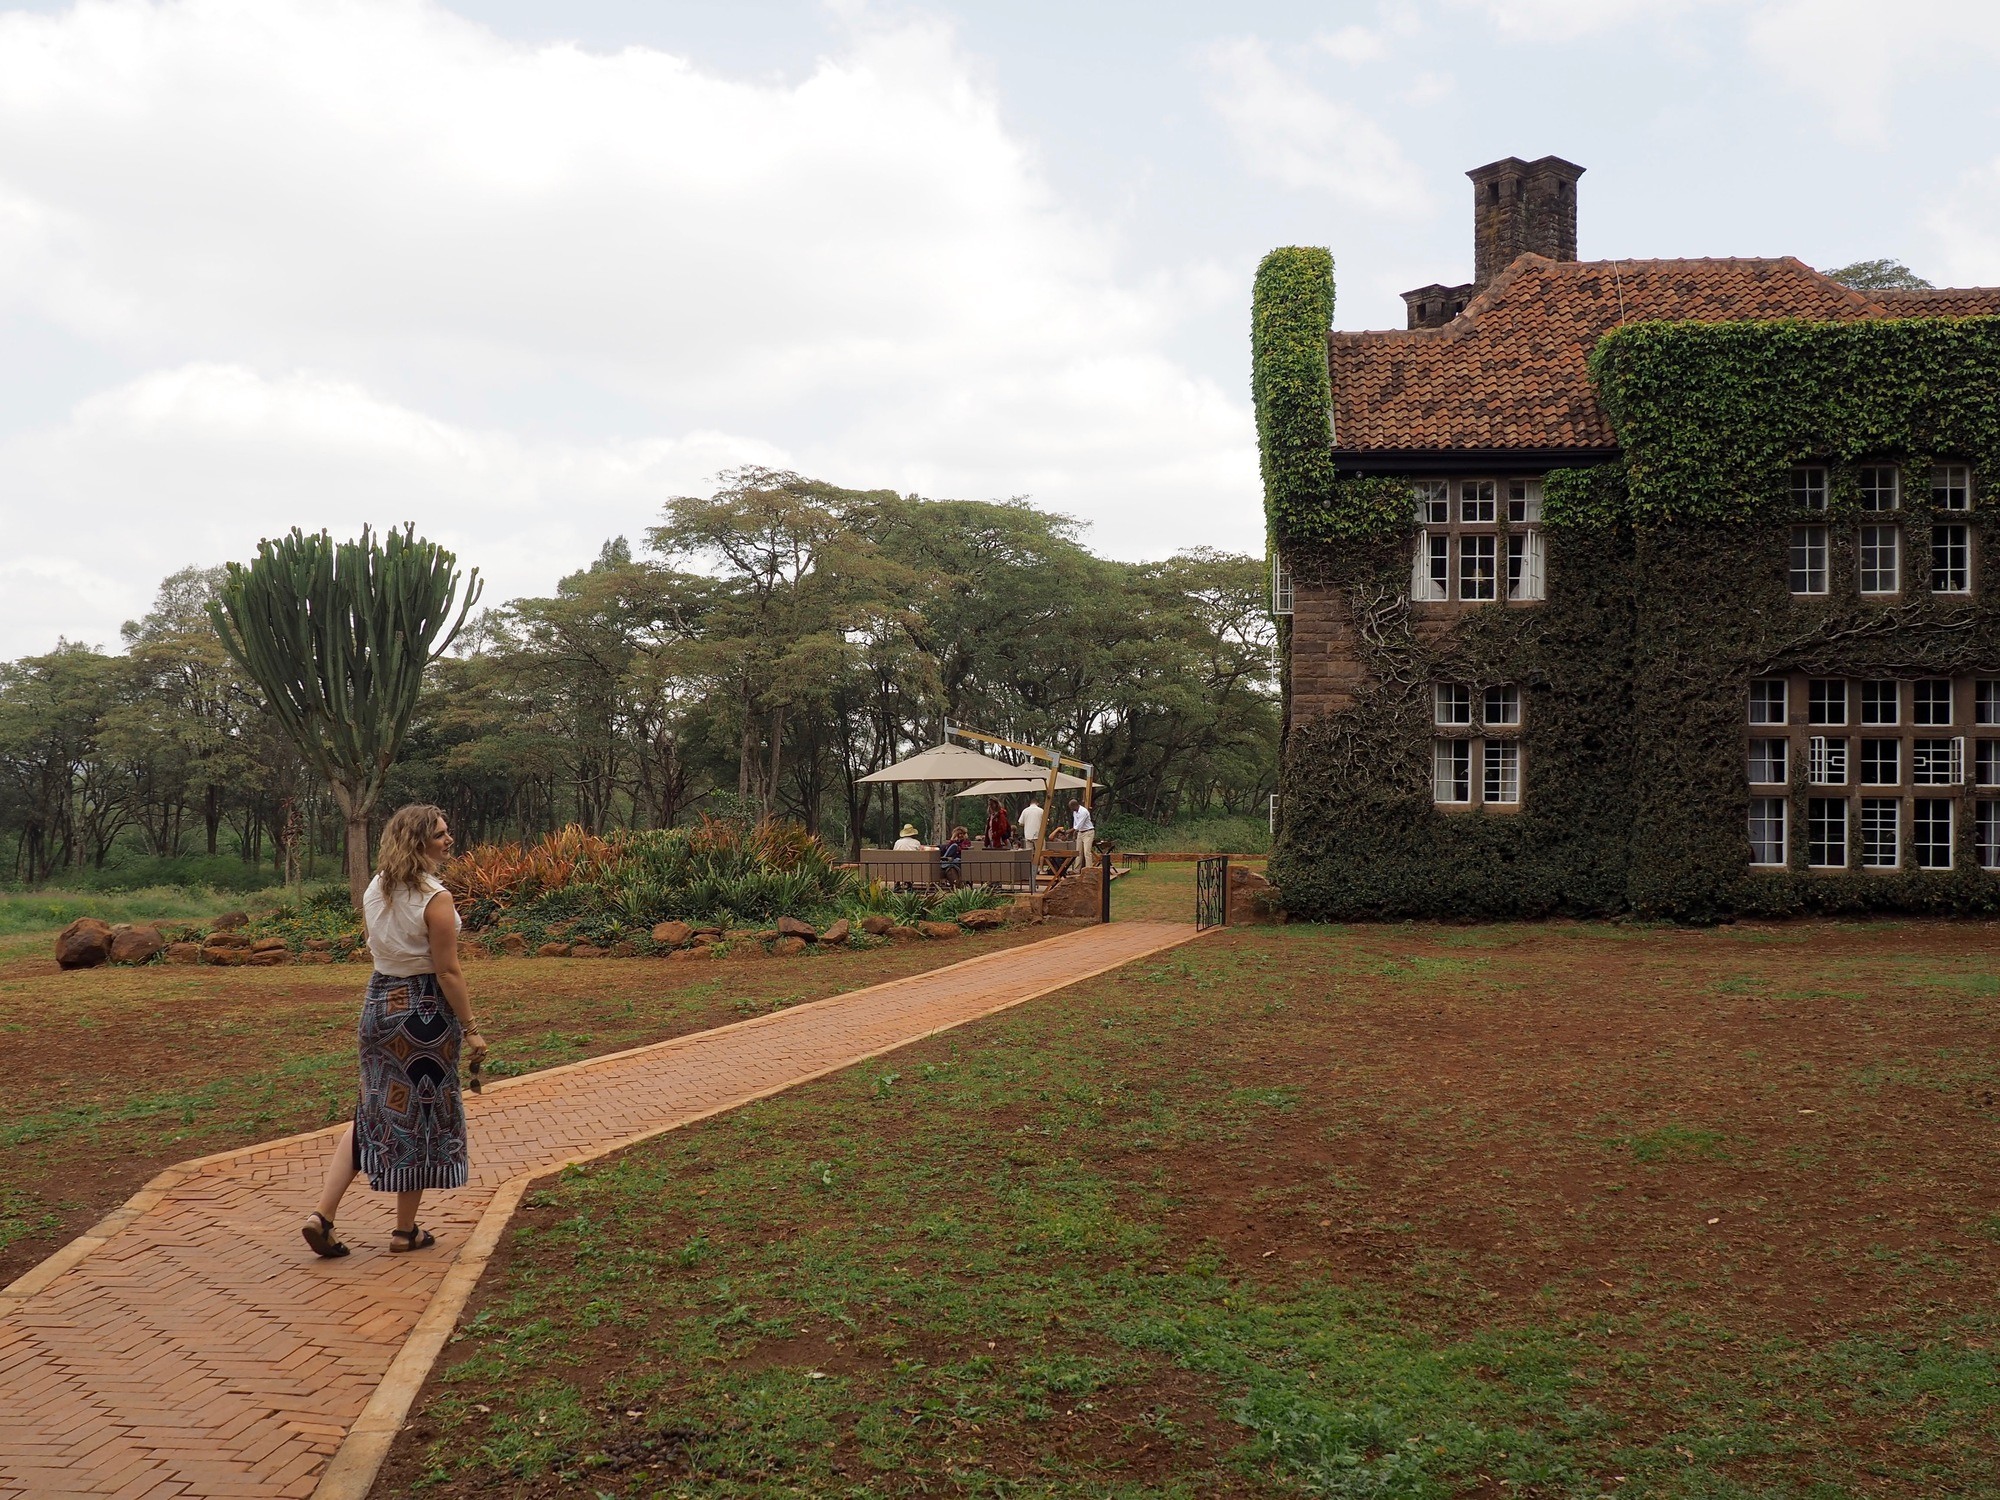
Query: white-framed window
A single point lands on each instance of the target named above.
(1524, 502)
(1526, 566)
(1881, 832)
(1881, 762)
(1281, 586)
(1881, 703)
(1451, 771)
(1502, 705)
(1768, 762)
(1503, 771)
(1767, 701)
(1938, 762)
(1826, 701)
(1476, 501)
(1808, 560)
(1430, 568)
(1881, 559)
(1826, 833)
(1809, 488)
(1826, 761)
(1477, 577)
(1986, 763)
(1451, 704)
(1986, 834)
(1932, 701)
(1986, 702)
(1951, 559)
(1880, 489)
(1433, 502)
(1951, 487)
(1767, 831)
(1930, 833)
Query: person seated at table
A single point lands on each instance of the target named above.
(908, 838)
(951, 858)
(999, 829)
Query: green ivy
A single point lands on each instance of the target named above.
(1667, 594)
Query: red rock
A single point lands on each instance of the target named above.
(514, 945)
(230, 920)
(787, 947)
(672, 934)
(983, 920)
(226, 958)
(84, 944)
(135, 944)
(877, 925)
(837, 934)
(183, 953)
(938, 930)
(553, 950)
(268, 945)
(623, 949)
(361, 955)
(266, 958)
(792, 927)
(896, 934)
(226, 940)
(586, 950)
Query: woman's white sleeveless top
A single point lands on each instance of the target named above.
(396, 932)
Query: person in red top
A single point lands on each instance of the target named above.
(999, 831)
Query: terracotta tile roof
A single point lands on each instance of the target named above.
(1510, 371)
(1941, 302)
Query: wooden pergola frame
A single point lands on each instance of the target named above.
(1056, 761)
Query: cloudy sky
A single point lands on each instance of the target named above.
(518, 270)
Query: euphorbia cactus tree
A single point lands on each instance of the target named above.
(338, 637)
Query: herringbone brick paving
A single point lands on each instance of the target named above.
(199, 1350)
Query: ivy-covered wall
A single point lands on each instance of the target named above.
(1667, 593)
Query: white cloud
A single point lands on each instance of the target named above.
(1353, 44)
(1566, 20)
(1846, 58)
(1966, 227)
(466, 240)
(1295, 135)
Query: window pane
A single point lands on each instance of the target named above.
(1524, 501)
(1951, 559)
(1503, 705)
(1986, 701)
(1809, 489)
(1767, 830)
(1440, 563)
(1881, 703)
(1454, 703)
(1933, 701)
(1476, 500)
(1826, 818)
(1881, 570)
(1826, 701)
(1433, 502)
(1826, 761)
(1987, 833)
(1451, 771)
(1503, 771)
(1878, 488)
(1808, 568)
(1879, 832)
(1881, 762)
(1930, 833)
(1767, 762)
(1476, 577)
(1934, 762)
(1767, 701)
(1951, 487)
(1986, 764)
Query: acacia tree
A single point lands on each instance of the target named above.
(338, 637)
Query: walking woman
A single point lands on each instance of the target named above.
(409, 1124)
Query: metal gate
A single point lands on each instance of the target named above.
(1211, 892)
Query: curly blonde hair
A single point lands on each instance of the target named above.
(404, 858)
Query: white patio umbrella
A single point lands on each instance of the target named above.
(1007, 786)
(947, 763)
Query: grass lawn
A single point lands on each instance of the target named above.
(112, 1074)
(1395, 1211)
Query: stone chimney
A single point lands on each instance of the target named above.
(1522, 206)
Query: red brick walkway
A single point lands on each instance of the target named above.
(189, 1346)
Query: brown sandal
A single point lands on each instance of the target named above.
(319, 1235)
(411, 1239)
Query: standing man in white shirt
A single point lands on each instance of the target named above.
(1031, 822)
(1086, 831)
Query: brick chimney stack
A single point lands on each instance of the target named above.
(1521, 206)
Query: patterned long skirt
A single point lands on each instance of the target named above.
(409, 1127)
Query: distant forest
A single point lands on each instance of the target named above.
(770, 643)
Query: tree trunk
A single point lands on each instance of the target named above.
(355, 813)
(777, 740)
